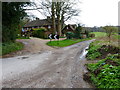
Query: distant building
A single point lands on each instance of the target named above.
(69, 28)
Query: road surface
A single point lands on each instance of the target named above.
(59, 68)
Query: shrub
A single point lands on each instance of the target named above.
(70, 35)
(92, 35)
(8, 34)
(78, 32)
(87, 33)
(40, 33)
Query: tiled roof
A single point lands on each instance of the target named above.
(38, 23)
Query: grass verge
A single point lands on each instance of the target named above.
(101, 47)
(23, 38)
(106, 72)
(10, 47)
(66, 42)
(93, 52)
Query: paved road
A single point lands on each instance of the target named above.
(60, 68)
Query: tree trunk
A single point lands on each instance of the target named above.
(58, 10)
(62, 20)
(53, 17)
(59, 25)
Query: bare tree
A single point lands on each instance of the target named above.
(110, 30)
(62, 11)
(53, 17)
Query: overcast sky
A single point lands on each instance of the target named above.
(94, 13)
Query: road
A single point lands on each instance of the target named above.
(59, 68)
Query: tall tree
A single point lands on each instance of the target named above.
(53, 17)
(58, 11)
(12, 13)
(62, 11)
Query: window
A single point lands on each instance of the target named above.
(67, 27)
(49, 27)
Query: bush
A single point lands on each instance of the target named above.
(40, 33)
(78, 32)
(87, 33)
(92, 35)
(70, 35)
(8, 34)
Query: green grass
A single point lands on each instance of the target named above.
(108, 76)
(23, 38)
(116, 36)
(99, 34)
(66, 42)
(62, 37)
(10, 47)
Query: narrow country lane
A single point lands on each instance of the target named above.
(59, 68)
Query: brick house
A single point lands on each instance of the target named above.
(40, 23)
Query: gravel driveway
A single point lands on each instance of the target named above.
(52, 68)
(32, 46)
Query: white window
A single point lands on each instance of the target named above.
(67, 27)
(49, 27)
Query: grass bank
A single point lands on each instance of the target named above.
(101, 47)
(7, 48)
(66, 42)
(105, 72)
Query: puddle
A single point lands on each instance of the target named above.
(24, 57)
(84, 53)
(25, 43)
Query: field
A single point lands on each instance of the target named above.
(99, 34)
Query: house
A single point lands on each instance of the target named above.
(38, 23)
(72, 28)
(69, 28)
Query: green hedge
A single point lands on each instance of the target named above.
(40, 33)
(70, 35)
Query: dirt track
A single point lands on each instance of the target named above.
(58, 68)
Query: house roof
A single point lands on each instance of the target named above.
(38, 22)
(71, 26)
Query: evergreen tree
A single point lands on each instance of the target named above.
(78, 32)
(12, 13)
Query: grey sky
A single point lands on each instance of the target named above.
(93, 13)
